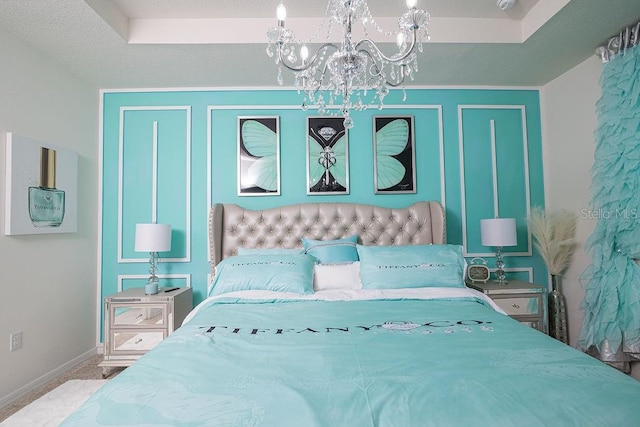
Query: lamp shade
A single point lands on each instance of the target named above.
(498, 232)
(153, 237)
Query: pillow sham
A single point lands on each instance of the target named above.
(269, 251)
(411, 266)
(338, 251)
(336, 276)
(282, 273)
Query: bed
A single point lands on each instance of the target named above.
(391, 338)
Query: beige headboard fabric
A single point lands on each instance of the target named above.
(231, 226)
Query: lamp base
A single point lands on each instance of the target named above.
(501, 277)
(151, 288)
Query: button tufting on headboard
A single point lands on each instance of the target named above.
(231, 226)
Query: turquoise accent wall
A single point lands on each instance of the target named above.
(167, 155)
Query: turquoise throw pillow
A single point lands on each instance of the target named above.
(338, 251)
(283, 273)
(415, 266)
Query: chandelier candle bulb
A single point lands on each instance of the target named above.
(281, 13)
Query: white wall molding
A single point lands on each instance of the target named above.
(154, 189)
(528, 270)
(525, 160)
(122, 277)
(408, 89)
(43, 379)
(211, 108)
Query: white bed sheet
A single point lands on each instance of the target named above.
(355, 294)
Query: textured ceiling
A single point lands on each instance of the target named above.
(148, 44)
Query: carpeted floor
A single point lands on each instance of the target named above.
(87, 370)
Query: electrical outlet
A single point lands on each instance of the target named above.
(15, 341)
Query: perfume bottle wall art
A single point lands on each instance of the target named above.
(46, 202)
(41, 191)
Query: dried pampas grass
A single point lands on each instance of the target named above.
(554, 235)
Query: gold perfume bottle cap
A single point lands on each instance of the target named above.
(47, 167)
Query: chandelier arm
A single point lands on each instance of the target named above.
(320, 83)
(382, 55)
(378, 70)
(374, 62)
(311, 61)
(401, 82)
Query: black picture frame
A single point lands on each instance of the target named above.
(258, 156)
(394, 165)
(327, 156)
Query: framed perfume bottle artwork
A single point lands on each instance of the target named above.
(41, 187)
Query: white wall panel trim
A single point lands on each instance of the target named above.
(99, 224)
(494, 169)
(122, 277)
(528, 270)
(187, 109)
(493, 254)
(292, 88)
(154, 173)
(120, 179)
(525, 159)
(187, 192)
(211, 108)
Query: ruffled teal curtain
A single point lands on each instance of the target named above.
(611, 305)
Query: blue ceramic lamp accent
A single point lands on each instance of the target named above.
(153, 238)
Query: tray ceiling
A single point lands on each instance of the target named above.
(204, 43)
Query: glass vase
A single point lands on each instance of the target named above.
(557, 311)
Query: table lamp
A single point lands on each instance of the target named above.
(153, 238)
(499, 232)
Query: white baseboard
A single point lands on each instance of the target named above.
(42, 380)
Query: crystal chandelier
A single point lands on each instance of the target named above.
(350, 75)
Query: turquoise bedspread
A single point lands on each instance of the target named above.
(362, 363)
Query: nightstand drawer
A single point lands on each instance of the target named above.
(519, 306)
(134, 342)
(135, 322)
(523, 301)
(125, 315)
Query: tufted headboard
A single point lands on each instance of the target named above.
(231, 226)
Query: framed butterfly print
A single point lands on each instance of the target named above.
(327, 156)
(259, 156)
(394, 166)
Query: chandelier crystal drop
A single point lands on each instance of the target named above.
(350, 75)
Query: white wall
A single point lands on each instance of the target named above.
(568, 122)
(47, 282)
(568, 106)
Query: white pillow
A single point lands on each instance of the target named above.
(336, 276)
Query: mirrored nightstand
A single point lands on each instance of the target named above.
(134, 322)
(521, 300)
